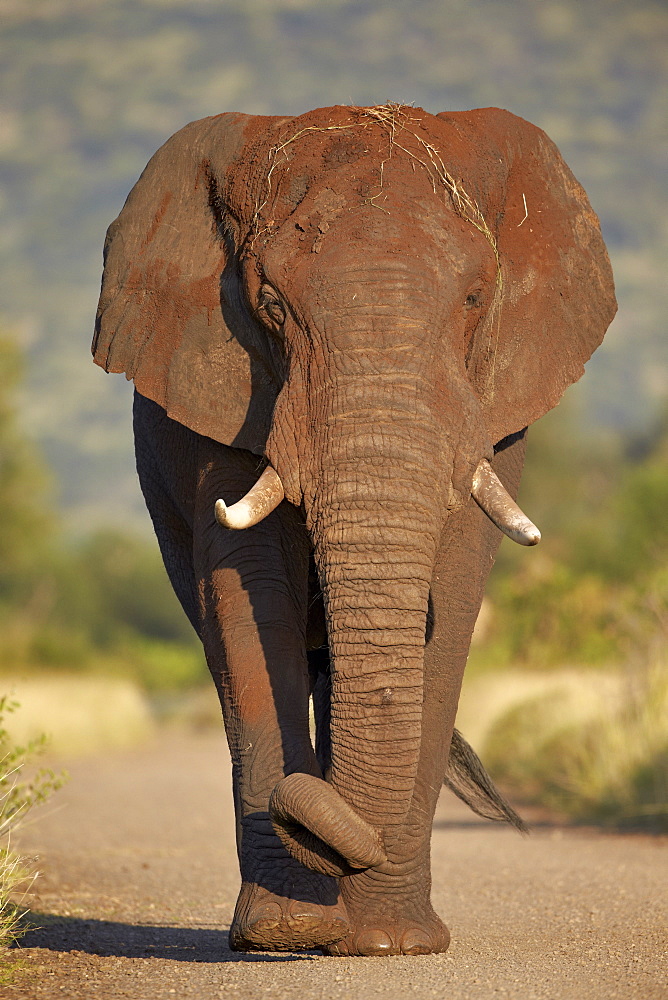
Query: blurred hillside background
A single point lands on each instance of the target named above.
(90, 88)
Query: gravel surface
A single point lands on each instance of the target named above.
(139, 879)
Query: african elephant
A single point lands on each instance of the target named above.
(342, 324)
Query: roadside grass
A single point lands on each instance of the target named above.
(79, 713)
(592, 746)
(20, 791)
(16, 879)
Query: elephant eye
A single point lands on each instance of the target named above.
(271, 305)
(471, 318)
(275, 311)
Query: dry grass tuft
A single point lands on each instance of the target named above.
(395, 120)
(18, 794)
(591, 746)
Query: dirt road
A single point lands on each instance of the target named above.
(140, 877)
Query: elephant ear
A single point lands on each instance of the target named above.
(160, 318)
(557, 296)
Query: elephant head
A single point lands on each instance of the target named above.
(372, 300)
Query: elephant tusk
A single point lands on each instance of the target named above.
(260, 500)
(492, 497)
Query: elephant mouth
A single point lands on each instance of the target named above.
(487, 490)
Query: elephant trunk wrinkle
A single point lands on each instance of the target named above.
(375, 502)
(376, 597)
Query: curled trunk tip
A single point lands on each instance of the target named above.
(318, 827)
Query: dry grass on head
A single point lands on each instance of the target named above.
(395, 121)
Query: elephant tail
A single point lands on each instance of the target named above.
(470, 782)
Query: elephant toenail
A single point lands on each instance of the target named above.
(373, 942)
(302, 916)
(266, 911)
(416, 942)
(337, 948)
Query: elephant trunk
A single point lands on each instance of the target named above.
(376, 591)
(374, 509)
(319, 828)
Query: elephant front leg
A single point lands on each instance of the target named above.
(253, 634)
(389, 909)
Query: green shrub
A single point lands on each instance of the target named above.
(548, 615)
(165, 666)
(102, 602)
(24, 490)
(596, 588)
(126, 591)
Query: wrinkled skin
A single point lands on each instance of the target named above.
(309, 292)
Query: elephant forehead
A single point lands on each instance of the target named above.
(346, 147)
(360, 150)
(373, 177)
(344, 180)
(322, 209)
(329, 240)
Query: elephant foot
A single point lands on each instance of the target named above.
(265, 921)
(397, 937)
(388, 919)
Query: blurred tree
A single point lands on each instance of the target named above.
(66, 606)
(24, 490)
(128, 591)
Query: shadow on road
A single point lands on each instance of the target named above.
(108, 938)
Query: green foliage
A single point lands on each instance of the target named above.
(596, 588)
(23, 487)
(18, 795)
(593, 594)
(105, 604)
(124, 586)
(164, 667)
(632, 538)
(550, 615)
(70, 606)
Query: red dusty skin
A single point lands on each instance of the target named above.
(356, 327)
